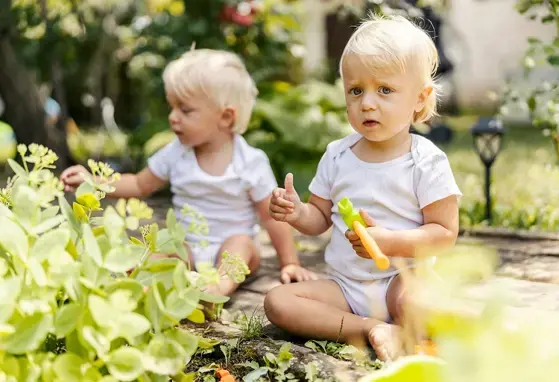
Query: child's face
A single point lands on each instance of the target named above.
(196, 120)
(380, 107)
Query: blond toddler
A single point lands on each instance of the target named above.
(210, 167)
(401, 182)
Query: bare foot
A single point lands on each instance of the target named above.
(387, 341)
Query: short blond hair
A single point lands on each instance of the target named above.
(390, 44)
(219, 75)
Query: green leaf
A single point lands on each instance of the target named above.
(136, 241)
(13, 239)
(66, 319)
(114, 224)
(68, 213)
(70, 367)
(37, 272)
(534, 40)
(26, 205)
(165, 242)
(255, 375)
(121, 323)
(553, 60)
(171, 220)
(214, 298)
(197, 316)
(134, 287)
(84, 188)
(50, 243)
(10, 289)
(80, 213)
(89, 201)
(49, 213)
(181, 303)
(47, 225)
(164, 356)
(16, 167)
(180, 280)
(187, 340)
(30, 332)
(152, 311)
(122, 259)
(96, 340)
(125, 363)
(91, 247)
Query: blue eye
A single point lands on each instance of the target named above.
(355, 91)
(385, 90)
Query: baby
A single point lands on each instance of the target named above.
(401, 183)
(210, 166)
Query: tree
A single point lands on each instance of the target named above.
(24, 107)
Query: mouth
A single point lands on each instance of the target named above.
(177, 133)
(370, 123)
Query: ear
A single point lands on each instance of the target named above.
(422, 99)
(228, 118)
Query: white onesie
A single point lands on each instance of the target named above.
(226, 201)
(393, 193)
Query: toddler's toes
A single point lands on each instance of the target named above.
(387, 341)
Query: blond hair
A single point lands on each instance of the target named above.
(393, 44)
(219, 75)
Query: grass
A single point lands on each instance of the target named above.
(525, 177)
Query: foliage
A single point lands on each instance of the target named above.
(71, 310)
(541, 100)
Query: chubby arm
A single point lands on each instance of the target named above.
(315, 217)
(439, 230)
(280, 233)
(140, 185)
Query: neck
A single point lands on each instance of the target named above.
(394, 147)
(220, 142)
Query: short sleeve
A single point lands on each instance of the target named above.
(435, 179)
(262, 179)
(162, 161)
(321, 184)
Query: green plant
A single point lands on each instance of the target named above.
(252, 326)
(540, 101)
(70, 311)
(275, 366)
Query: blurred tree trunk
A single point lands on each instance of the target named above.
(24, 108)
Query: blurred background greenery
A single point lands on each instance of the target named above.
(102, 60)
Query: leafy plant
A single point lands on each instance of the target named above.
(70, 309)
(275, 366)
(540, 101)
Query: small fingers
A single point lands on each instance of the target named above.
(280, 210)
(285, 278)
(283, 203)
(351, 236)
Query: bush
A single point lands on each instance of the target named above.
(71, 310)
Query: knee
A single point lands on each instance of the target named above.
(275, 305)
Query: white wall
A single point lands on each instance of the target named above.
(487, 40)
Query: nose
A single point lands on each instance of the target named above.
(173, 118)
(368, 102)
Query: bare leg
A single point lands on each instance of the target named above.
(242, 245)
(387, 339)
(317, 309)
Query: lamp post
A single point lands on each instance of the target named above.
(488, 134)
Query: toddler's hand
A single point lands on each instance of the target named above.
(295, 272)
(285, 205)
(382, 236)
(72, 177)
